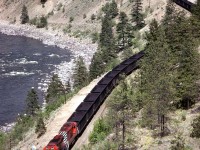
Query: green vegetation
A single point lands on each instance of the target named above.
(80, 75)
(24, 15)
(54, 90)
(125, 32)
(39, 22)
(32, 103)
(40, 127)
(167, 80)
(137, 16)
(196, 128)
(101, 130)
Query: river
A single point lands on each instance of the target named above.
(25, 63)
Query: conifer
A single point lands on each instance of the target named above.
(80, 74)
(124, 31)
(137, 16)
(40, 127)
(24, 15)
(54, 88)
(32, 103)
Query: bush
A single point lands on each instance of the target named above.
(40, 127)
(93, 17)
(178, 143)
(42, 22)
(196, 128)
(100, 131)
(95, 37)
(71, 19)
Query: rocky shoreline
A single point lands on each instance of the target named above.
(77, 47)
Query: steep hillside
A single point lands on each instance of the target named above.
(59, 12)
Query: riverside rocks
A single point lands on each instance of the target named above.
(82, 48)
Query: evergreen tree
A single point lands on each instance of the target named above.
(156, 83)
(121, 106)
(97, 66)
(124, 31)
(32, 103)
(24, 15)
(80, 73)
(40, 127)
(137, 15)
(54, 88)
(111, 9)
(188, 66)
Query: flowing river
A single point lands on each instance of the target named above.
(25, 63)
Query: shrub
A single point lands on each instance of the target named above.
(71, 19)
(100, 131)
(196, 128)
(93, 17)
(42, 22)
(40, 127)
(95, 37)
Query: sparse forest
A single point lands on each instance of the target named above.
(145, 104)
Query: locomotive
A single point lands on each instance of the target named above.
(77, 122)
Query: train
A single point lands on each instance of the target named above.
(185, 4)
(78, 121)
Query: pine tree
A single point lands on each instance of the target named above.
(24, 15)
(54, 88)
(121, 106)
(97, 65)
(80, 75)
(40, 127)
(137, 15)
(195, 21)
(124, 31)
(113, 9)
(110, 9)
(32, 103)
(156, 83)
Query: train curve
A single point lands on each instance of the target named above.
(78, 121)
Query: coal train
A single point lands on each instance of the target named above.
(77, 122)
(185, 4)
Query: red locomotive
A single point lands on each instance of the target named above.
(66, 136)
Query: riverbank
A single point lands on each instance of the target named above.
(77, 47)
(84, 48)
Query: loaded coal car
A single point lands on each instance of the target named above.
(185, 4)
(89, 107)
(95, 98)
